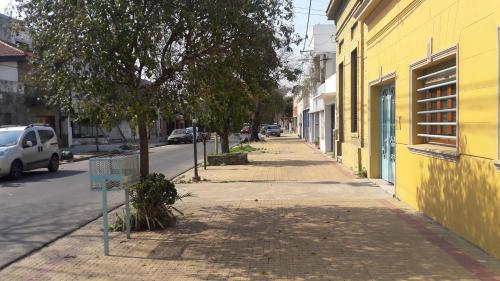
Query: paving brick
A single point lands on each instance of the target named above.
(309, 219)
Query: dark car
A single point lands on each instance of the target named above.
(180, 136)
(273, 130)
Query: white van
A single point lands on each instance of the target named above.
(25, 148)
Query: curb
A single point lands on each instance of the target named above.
(104, 154)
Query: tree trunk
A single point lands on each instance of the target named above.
(144, 146)
(97, 138)
(224, 142)
(254, 134)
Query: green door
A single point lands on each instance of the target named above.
(387, 133)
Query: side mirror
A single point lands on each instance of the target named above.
(28, 144)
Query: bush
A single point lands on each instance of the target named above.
(242, 148)
(362, 173)
(152, 201)
(67, 155)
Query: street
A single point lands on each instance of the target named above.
(43, 206)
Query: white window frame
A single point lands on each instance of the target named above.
(442, 56)
(424, 133)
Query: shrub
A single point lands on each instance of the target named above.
(362, 173)
(242, 148)
(152, 201)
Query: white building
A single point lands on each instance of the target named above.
(322, 100)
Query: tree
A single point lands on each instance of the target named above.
(288, 110)
(249, 75)
(221, 100)
(127, 57)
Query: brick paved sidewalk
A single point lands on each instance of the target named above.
(286, 227)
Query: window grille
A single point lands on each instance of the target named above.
(354, 91)
(437, 105)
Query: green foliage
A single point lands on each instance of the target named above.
(362, 173)
(152, 204)
(288, 111)
(243, 148)
(111, 60)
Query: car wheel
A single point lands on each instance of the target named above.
(16, 170)
(54, 164)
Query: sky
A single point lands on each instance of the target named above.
(318, 16)
(4, 4)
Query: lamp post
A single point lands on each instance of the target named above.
(195, 144)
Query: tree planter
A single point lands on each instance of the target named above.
(227, 159)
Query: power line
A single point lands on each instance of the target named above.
(307, 25)
(303, 8)
(310, 14)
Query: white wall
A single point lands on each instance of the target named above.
(322, 38)
(8, 71)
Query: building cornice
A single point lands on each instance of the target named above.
(366, 7)
(332, 9)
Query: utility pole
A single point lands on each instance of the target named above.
(216, 143)
(195, 146)
(204, 153)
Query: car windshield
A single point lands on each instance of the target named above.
(272, 127)
(178, 132)
(9, 138)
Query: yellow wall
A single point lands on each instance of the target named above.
(463, 195)
(352, 38)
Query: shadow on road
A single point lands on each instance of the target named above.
(37, 176)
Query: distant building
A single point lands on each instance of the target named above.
(320, 113)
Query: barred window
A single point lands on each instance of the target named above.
(437, 105)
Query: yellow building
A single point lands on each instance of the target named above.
(427, 119)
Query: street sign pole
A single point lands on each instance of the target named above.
(204, 154)
(105, 227)
(195, 146)
(216, 143)
(127, 212)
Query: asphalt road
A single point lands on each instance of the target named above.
(43, 206)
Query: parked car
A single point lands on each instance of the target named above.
(263, 129)
(273, 130)
(245, 130)
(180, 136)
(199, 137)
(24, 148)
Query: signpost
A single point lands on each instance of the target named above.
(196, 177)
(113, 173)
(204, 153)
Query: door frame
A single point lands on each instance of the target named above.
(374, 86)
(390, 106)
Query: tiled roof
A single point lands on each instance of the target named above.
(7, 50)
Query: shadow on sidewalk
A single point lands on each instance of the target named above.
(291, 163)
(306, 242)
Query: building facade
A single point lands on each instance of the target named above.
(419, 86)
(322, 87)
